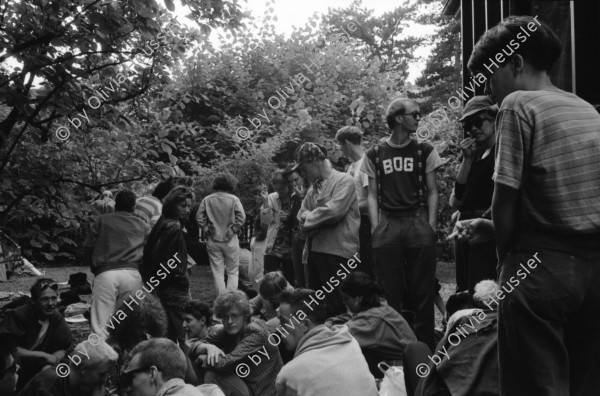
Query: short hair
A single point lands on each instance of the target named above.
(175, 197)
(484, 294)
(198, 310)
(351, 134)
(147, 318)
(224, 182)
(299, 299)
(397, 106)
(40, 285)
(96, 351)
(279, 177)
(232, 299)
(7, 348)
(360, 284)
(541, 50)
(125, 201)
(162, 189)
(271, 285)
(163, 353)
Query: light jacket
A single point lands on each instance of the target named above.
(327, 362)
(221, 211)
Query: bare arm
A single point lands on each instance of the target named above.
(372, 204)
(432, 199)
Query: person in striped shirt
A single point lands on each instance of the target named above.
(149, 207)
(545, 204)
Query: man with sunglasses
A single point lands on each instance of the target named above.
(473, 189)
(403, 202)
(157, 367)
(86, 378)
(40, 332)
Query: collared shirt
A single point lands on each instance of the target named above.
(332, 217)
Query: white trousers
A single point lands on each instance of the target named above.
(224, 256)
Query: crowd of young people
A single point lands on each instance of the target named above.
(528, 184)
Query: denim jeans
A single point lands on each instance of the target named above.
(549, 327)
(404, 257)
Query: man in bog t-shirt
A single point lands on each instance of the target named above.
(402, 204)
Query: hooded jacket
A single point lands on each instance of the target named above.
(327, 362)
(379, 330)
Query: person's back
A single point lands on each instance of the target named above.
(220, 208)
(118, 241)
(560, 188)
(148, 208)
(327, 362)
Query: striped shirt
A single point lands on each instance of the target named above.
(148, 208)
(548, 147)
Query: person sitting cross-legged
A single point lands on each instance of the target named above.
(39, 331)
(234, 344)
(327, 361)
(157, 368)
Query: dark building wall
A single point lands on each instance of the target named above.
(577, 23)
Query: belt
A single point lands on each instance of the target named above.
(403, 213)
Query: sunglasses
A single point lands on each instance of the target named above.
(415, 114)
(48, 284)
(127, 377)
(476, 122)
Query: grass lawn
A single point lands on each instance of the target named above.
(201, 286)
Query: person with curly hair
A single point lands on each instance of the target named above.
(232, 344)
(221, 217)
(166, 244)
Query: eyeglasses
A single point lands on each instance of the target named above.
(471, 122)
(233, 317)
(127, 377)
(415, 114)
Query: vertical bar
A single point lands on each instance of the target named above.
(573, 58)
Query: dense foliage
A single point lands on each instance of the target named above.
(169, 103)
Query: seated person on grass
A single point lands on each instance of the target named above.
(466, 359)
(380, 330)
(233, 344)
(157, 368)
(85, 376)
(146, 321)
(8, 366)
(266, 302)
(40, 332)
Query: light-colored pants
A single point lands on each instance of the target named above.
(110, 289)
(257, 262)
(224, 256)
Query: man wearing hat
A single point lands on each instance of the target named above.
(473, 190)
(403, 188)
(329, 216)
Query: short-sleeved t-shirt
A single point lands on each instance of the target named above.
(400, 174)
(361, 180)
(548, 147)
